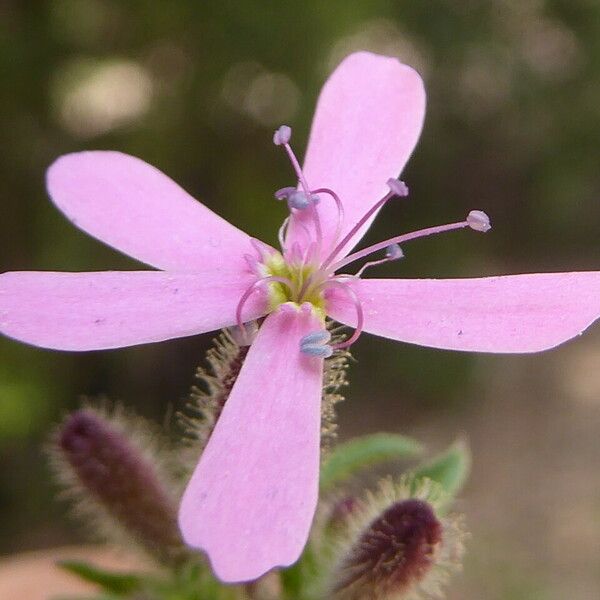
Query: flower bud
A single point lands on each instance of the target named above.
(396, 550)
(115, 478)
(399, 546)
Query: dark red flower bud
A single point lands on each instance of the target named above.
(397, 545)
(395, 551)
(114, 474)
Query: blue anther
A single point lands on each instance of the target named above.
(316, 337)
(318, 351)
(299, 200)
(284, 193)
(394, 252)
(316, 344)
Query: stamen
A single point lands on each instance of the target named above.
(284, 192)
(393, 252)
(340, 210)
(299, 200)
(359, 312)
(319, 351)
(256, 285)
(316, 337)
(478, 221)
(282, 231)
(296, 167)
(317, 344)
(318, 230)
(355, 229)
(281, 138)
(296, 198)
(282, 135)
(399, 188)
(400, 240)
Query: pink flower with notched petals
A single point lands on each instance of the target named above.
(251, 499)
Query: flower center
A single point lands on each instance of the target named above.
(303, 273)
(296, 281)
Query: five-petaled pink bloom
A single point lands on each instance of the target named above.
(251, 499)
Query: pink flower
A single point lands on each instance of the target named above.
(251, 500)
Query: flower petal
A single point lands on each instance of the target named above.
(513, 313)
(91, 311)
(367, 122)
(252, 497)
(138, 210)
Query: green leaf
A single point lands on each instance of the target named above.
(355, 455)
(450, 468)
(118, 583)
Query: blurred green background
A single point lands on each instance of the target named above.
(196, 88)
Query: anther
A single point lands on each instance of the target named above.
(479, 221)
(394, 252)
(284, 193)
(318, 351)
(316, 337)
(364, 219)
(281, 138)
(300, 200)
(397, 187)
(316, 344)
(282, 135)
(407, 237)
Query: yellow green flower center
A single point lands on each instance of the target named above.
(305, 283)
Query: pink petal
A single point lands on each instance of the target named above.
(367, 123)
(91, 311)
(135, 208)
(252, 497)
(514, 313)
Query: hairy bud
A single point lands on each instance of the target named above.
(395, 551)
(215, 382)
(398, 547)
(115, 481)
